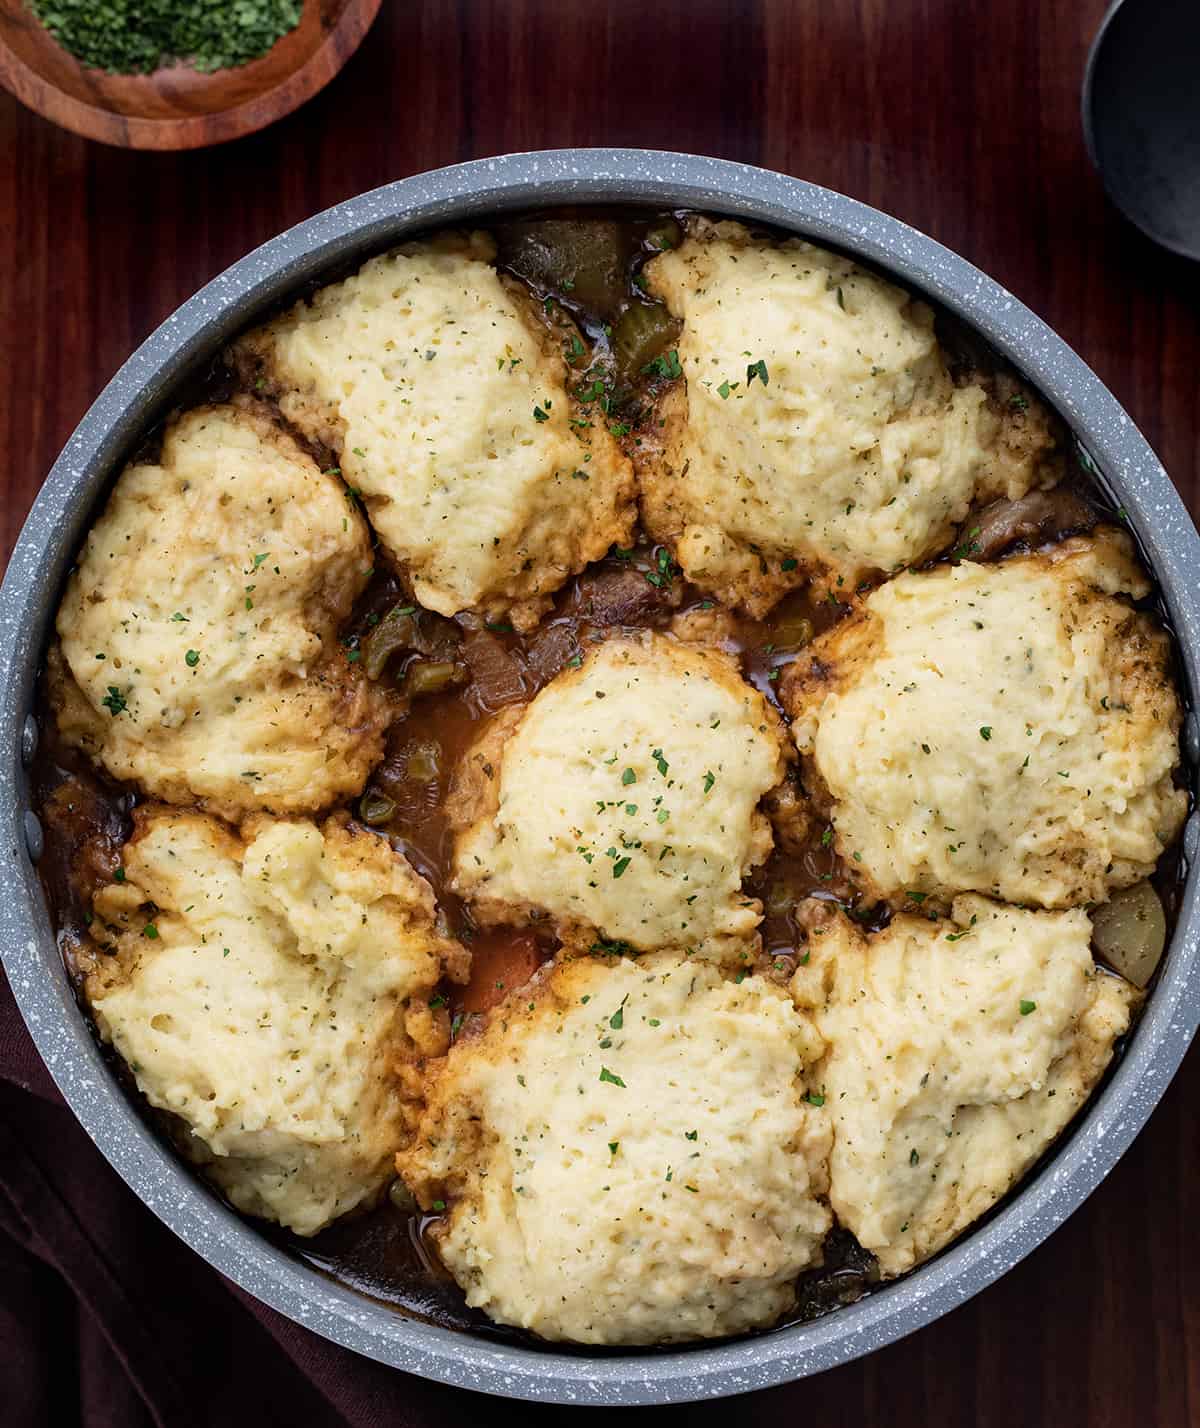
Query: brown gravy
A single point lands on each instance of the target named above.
(588, 264)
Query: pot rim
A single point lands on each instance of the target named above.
(139, 394)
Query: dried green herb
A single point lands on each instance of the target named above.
(138, 36)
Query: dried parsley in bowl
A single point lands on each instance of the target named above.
(137, 36)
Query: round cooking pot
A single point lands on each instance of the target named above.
(139, 395)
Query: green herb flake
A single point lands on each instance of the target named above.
(628, 777)
(1027, 1007)
(619, 867)
(607, 1075)
(709, 779)
(985, 732)
(756, 369)
(192, 658)
(665, 365)
(114, 701)
(150, 931)
(815, 1098)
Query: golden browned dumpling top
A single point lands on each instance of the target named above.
(629, 1154)
(1004, 728)
(817, 431)
(273, 994)
(443, 389)
(198, 648)
(958, 1049)
(624, 802)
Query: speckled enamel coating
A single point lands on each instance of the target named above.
(140, 393)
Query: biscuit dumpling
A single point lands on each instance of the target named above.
(817, 433)
(627, 1154)
(624, 802)
(1005, 728)
(273, 995)
(958, 1050)
(198, 652)
(443, 389)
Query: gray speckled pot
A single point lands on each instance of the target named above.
(142, 390)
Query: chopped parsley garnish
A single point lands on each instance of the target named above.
(629, 777)
(657, 756)
(827, 838)
(690, 1135)
(789, 564)
(913, 1157)
(756, 369)
(666, 364)
(985, 732)
(435, 1002)
(665, 572)
(619, 866)
(610, 946)
(439, 1205)
(258, 559)
(607, 1075)
(179, 617)
(709, 779)
(192, 658)
(114, 701)
(814, 1098)
(724, 389)
(150, 931)
(540, 415)
(1027, 1007)
(613, 1146)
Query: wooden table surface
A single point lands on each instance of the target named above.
(961, 118)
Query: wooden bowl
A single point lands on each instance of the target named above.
(177, 108)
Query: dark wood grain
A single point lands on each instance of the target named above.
(961, 118)
(177, 107)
